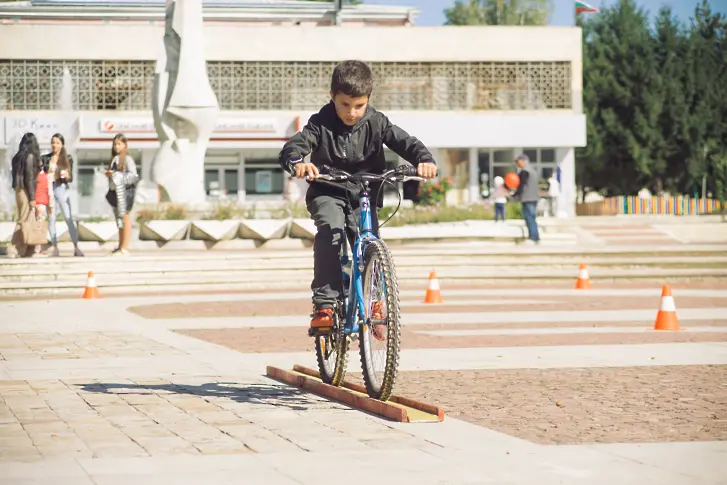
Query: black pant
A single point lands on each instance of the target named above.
(333, 218)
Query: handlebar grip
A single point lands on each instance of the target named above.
(406, 170)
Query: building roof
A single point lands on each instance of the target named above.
(241, 10)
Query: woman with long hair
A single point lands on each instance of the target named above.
(58, 164)
(25, 166)
(123, 177)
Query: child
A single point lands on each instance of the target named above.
(499, 196)
(350, 135)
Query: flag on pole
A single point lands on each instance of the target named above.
(583, 7)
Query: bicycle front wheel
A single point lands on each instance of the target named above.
(380, 336)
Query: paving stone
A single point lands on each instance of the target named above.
(259, 439)
(169, 445)
(19, 452)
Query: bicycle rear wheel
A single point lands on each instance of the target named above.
(332, 351)
(383, 323)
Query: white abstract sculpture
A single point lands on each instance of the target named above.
(185, 107)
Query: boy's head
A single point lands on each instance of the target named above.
(351, 86)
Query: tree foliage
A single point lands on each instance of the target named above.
(655, 99)
(498, 12)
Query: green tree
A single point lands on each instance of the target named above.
(498, 12)
(670, 51)
(621, 97)
(705, 89)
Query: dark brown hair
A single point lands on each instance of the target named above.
(63, 163)
(122, 158)
(352, 78)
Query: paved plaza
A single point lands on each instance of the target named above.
(540, 383)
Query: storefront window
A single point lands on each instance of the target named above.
(263, 178)
(547, 155)
(504, 156)
(212, 181)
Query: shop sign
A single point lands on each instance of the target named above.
(232, 125)
(43, 127)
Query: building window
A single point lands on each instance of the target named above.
(292, 85)
(543, 160)
(264, 177)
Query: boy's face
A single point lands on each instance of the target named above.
(349, 109)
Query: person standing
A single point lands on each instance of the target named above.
(553, 194)
(25, 166)
(58, 164)
(123, 177)
(528, 194)
(499, 197)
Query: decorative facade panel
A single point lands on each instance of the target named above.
(445, 86)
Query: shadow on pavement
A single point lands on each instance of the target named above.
(271, 395)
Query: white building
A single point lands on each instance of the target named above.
(477, 96)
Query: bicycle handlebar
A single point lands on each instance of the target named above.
(402, 173)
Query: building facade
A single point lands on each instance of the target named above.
(477, 96)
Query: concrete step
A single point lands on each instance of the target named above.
(56, 269)
(301, 278)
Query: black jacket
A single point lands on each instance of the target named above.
(46, 165)
(25, 175)
(355, 149)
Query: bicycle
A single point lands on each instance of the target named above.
(353, 314)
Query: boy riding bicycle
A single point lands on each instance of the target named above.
(349, 135)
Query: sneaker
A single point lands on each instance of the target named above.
(78, 252)
(55, 252)
(322, 318)
(377, 313)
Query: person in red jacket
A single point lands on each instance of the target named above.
(42, 201)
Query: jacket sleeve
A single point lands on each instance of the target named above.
(403, 144)
(31, 168)
(523, 180)
(302, 143)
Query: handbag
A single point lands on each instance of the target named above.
(130, 195)
(34, 232)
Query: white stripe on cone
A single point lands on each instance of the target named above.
(91, 282)
(584, 274)
(667, 304)
(434, 284)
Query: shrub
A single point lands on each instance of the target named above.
(296, 210)
(434, 193)
(174, 212)
(223, 211)
(433, 214)
(162, 212)
(146, 215)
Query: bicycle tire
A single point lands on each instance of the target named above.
(333, 368)
(382, 388)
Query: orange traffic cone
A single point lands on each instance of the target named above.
(583, 282)
(433, 295)
(91, 289)
(666, 319)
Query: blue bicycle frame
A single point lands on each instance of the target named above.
(354, 302)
